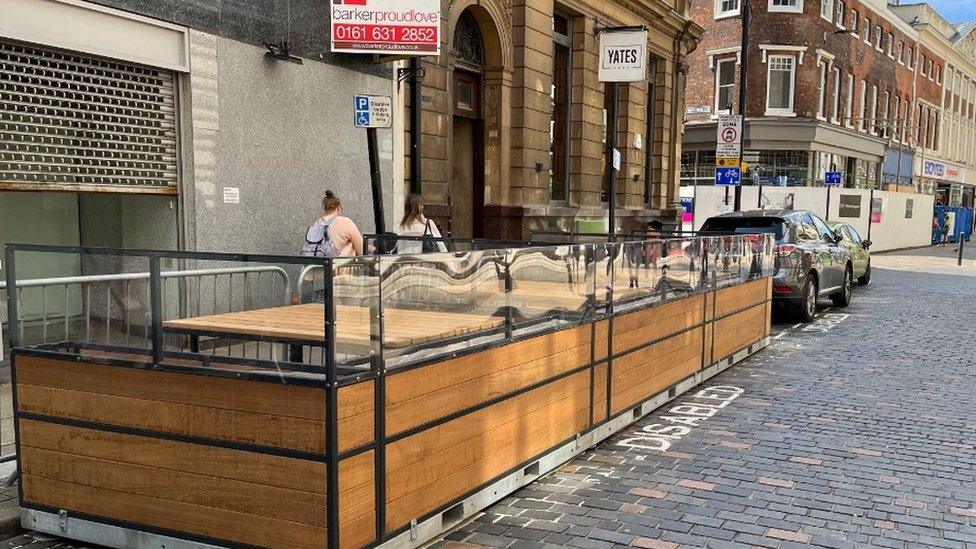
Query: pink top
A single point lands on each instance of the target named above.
(345, 236)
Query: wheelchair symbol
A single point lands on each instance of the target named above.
(362, 119)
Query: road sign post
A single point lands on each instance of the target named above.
(372, 112)
(728, 154)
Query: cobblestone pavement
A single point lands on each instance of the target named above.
(856, 430)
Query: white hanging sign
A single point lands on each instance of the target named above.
(623, 56)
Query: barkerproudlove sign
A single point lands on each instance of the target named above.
(943, 171)
(400, 27)
(623, 56)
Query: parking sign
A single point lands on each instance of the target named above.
(373, 111)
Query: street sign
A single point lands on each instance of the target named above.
(373, 111)
(727, 176)
(400, 27)
(726, 162)
(751, 157)
(729, 136)
(834, 178)
(623, 56)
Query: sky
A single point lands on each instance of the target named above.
(955, 11)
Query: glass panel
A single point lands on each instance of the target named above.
(464, 94)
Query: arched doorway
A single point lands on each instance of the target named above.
(467, 187)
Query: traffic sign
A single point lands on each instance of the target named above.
(727, 176)
(834, 178)
(726, 162)
(730, 129)
(373, 111)
(751, 157)
(723, 150)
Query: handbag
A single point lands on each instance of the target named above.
(429, 245)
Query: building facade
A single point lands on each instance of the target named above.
(948, 165)
(514, 117)
(833, 86)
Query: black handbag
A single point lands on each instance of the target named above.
(428, 242)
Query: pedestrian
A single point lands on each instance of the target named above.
(946, 230)
(936, 228)
(423, 234)
(332, 234)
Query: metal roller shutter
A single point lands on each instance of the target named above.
(69, 121)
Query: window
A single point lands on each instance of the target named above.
(561, 95)
(849, 109)
(863, 105)
(928, 68)
(827, 9)
(822, 90)
(885, 110)
(724, 86)
(825, 233)
(779, 93)
(789, 6)
(900, 52)
(878, 35)
(896, 123)
(874, 110)
(938, 74)
(867, 31)
(853, 21)
(835, 97)
(839, 16)
(726, 8)
(911, 58)
(888, 45)
(654, 134)
(904, 122)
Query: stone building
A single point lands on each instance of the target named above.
(513, 117)
(833, 86)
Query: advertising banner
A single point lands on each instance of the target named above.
(394, 27)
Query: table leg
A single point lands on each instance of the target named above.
(295, 353)
(194, 344)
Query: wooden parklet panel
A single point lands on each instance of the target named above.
(646, 372)
(734, 333)
(222, 493)
(268, 414)
(638, 328)
(424, 394)
(428, 470)
(734, 298)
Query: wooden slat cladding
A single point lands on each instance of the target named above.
(648, 371)
(235, 495)
(600, 393)
(637, 328)
(229, 409)
(431, 468)
(739, 297)
(424, 394)
(740, 330)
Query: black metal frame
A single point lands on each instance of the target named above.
(336, 376)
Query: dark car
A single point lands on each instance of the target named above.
(811, 262)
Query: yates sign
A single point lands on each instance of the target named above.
(623, 56)
(401, 27)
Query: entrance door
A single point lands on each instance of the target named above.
(467, 189)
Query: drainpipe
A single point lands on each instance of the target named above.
(675, 114)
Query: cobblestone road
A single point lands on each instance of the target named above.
(856, 430)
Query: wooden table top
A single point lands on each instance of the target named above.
(402, 327)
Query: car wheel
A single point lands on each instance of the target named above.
(843, 297)
(866, 277)
(811, 290)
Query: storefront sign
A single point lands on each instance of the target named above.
(401, 27)
(850, 205)
(943, 171)
(623, 56)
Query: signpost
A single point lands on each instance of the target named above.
(832, 179)
(396, 27)
(372, 112)
(728, 155)
(623, 58)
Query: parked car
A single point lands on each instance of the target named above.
(860, 249)
(810, 260)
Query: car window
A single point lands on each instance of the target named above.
(806, 231)
(825, 234)
(852, 234)
(744, 225)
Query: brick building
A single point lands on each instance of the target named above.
(513, 116)
(833, 85)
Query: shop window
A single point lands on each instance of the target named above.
(561, 95)
(781, 77)
(724, 85)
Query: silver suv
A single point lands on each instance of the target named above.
(811, 263)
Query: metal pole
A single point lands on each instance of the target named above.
(962, 245)
(743, 84)
(870, 212)
(416, 134)
(376, 178)
(612, 116)
(827, 211)
(331, 413)
(156, 305)
(379, 403)
(12, 320)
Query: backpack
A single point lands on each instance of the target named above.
(317, 241)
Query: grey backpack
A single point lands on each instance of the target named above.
(317, 241)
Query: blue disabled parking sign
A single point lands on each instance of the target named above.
(727, 176)
(362, 111)
(373, 111)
